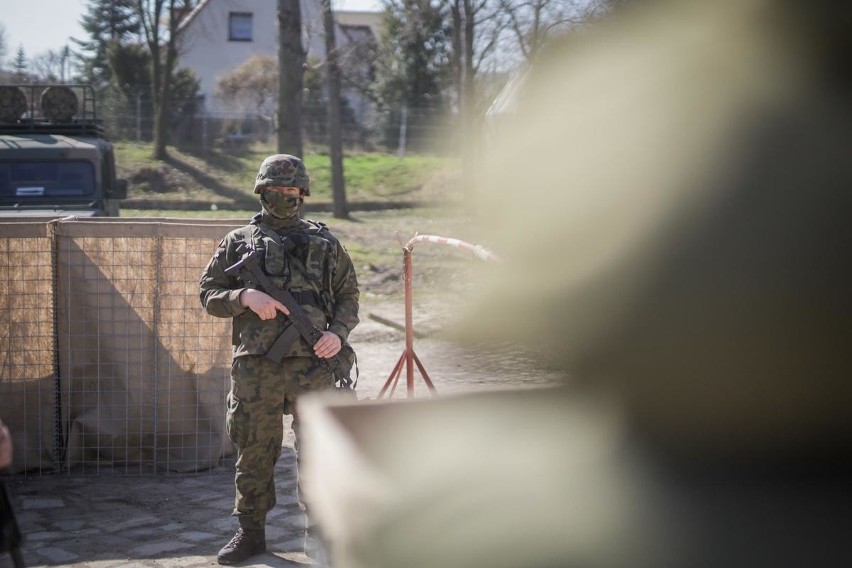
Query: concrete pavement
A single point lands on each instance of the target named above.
(172, 520)
(117, 520)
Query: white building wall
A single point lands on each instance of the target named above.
(205, 48)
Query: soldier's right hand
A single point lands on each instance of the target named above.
(265, 306)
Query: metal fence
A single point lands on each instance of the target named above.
(398, 130)
(109, 362)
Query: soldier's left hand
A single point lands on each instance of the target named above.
(328, 345)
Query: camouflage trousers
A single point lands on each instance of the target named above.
(261, 393)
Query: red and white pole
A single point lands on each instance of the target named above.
(409, 357)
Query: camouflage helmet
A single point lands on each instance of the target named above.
(283, 170)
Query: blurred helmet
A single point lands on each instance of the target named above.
(283, 170)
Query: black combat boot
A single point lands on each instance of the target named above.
(245, 544)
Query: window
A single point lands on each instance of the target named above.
(46, 179)
(239, 26)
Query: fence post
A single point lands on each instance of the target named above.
(403, 131)
(138, 115)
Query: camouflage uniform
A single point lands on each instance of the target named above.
(304, 257)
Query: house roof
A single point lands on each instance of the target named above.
(343, 17)
(506, 101)
(356, 19)
(185, 22)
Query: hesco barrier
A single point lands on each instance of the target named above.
(109, 362)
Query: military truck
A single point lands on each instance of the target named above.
(55, 159)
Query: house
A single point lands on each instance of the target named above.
(504, 107)
(219, 35)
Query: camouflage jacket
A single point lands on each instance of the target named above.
(303, 257)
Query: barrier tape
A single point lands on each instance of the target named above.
(409, 358)
(479, 250)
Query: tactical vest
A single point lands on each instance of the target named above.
(303, 261)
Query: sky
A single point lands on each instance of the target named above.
(42, 25)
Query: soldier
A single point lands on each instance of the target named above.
(304, 257)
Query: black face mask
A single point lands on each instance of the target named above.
(279, 205)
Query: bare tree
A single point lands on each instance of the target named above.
(160, 20)
(504, 34)
(529, 23)
(357, 62)
(291, 62)
(252, 85)
(335, 135)
(45, 66)
(468, 51)
(3, 46)
(19, 64)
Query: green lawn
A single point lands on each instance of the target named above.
(224, 177)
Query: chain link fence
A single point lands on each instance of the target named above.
(396, 130)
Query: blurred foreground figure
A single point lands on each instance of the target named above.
(673, 207)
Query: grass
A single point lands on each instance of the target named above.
(224, 177)
(219, 185)
(374, 239)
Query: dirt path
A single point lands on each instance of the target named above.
(453, 367)
(443, 285)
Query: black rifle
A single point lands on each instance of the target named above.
(10, 536)
(249, 266)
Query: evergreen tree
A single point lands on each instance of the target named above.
(19, 65)
(111, 26)
(413, 68)
(130, 68)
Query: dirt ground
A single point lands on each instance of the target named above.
(443, 287)
(180, 521)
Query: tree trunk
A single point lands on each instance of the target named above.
(161, 119)
(291, 61)
(150, 16)
(161, 125)
(467, 105)
(150, 21)
(159, 152)
(335, 130)
(457, 63)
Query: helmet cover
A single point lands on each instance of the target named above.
(283, 170)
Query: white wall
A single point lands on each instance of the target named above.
(205, 48)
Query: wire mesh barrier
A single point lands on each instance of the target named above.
(27, 377)
(109, 362)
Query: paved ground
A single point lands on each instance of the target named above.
(177, 520)
(171, 520)
(181, 520)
